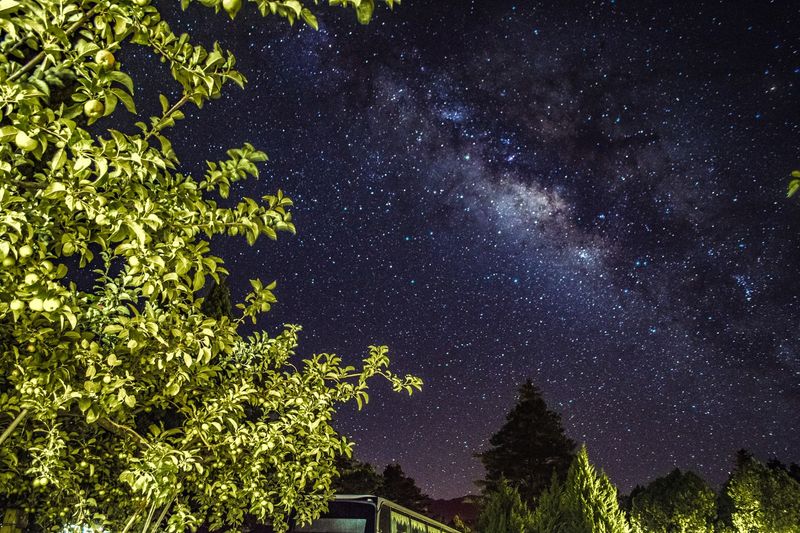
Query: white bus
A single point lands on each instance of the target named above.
(370, 514)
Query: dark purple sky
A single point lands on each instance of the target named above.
(592, 196)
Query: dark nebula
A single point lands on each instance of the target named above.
(590, 195)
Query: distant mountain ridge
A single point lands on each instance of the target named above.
(466, 507)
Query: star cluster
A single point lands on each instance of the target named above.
(590, 195)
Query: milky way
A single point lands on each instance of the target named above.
(591, 196)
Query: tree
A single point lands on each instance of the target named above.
(529, 447)
(125, 405)
(757, 498)
(356, 477)
(399, 488)
(585, 503)
(504, 512)
(679, 502)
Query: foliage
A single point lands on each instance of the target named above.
(356, 477)
(758, 499)
(680, 502)
(504, 512)
(585, 503)
(399, 488)
(529, 447)
(124, 404)
(794, 184)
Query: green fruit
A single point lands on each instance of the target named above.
(105, 59)
(141, 3)
(8, 261)
(232, 6)
(94, 108)
(31, 348)
(25, 142)
(26, 251)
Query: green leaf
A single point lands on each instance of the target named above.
(364, 11)
(794, 185)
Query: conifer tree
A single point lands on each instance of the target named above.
(585, 503)
(529, 448)
(504, 512)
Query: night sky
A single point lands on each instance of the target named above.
(592, 196)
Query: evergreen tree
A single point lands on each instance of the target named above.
(585, 503)
(504, 512)
(548, 516)
(401, 489)
(759, 499)
(529, 448)
(678, 502)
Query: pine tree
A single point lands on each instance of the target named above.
(529, 448)
(586, 503)
(504, 512)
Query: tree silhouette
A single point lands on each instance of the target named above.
(529, 448)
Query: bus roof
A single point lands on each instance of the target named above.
(379, 502)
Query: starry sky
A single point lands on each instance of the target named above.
(591, 195)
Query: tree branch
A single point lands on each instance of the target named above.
(10, 429)
(118, 429)
(38, 57)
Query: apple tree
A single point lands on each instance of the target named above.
(122, 404)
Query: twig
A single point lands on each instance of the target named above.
(10, 429)
(113, 427)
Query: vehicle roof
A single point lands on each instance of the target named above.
(380, 502)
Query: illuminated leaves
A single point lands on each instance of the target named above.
(136, 409)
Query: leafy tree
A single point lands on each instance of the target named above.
(585, 503)
(356, 477)
(504, 512)
(757, 498)
(125, 405)
(680, 502)
(399, 488)
(529, 448)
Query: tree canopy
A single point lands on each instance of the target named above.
(757, 498)
(504, 511)
(529, 448)
(124, 402)
(678, 502)
(585, 503)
